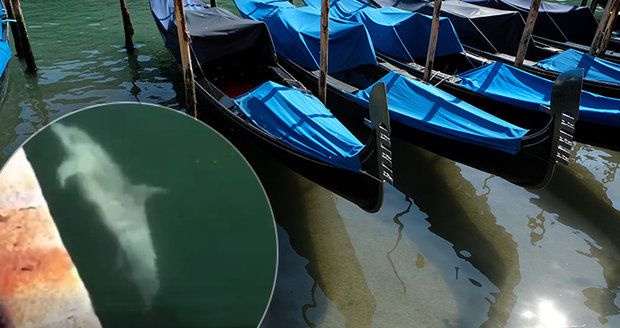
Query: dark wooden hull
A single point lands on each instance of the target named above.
(612, 55)
(361, 189)
(531, 167)
(364, 190)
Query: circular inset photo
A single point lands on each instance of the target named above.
(132, 215)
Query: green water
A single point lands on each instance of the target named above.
(452, 246)
(158, 236)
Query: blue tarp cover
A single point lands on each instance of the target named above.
(413, 103)
(397, 33)
(303, 122)
(596, 69)
(296, 35)
(508, 84)
(424, 107)
(5, 55)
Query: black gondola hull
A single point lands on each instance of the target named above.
(530, 167)
(361, 189)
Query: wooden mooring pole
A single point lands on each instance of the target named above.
(127, 26)
(186, 59)
(213, 3)
(527, 33)
(22, 43)
(324, 50)
(432, 42)
(608, 28)
(16, 38)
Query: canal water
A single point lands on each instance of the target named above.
(451, 247)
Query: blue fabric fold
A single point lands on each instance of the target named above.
(511, 85)
(424, 107)
(296, 35)
(397, 33)
(595, 69)
(303, 122)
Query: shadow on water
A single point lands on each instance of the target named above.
(459, 215)
(318, 234)
(581, 202)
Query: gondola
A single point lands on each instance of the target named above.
(421, 114)
(244, 92)
(489, 34)
(5, 53)
(559, 25)
(392, 32)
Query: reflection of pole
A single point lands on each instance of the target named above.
(186, 62)
(432, 43)
(127, 26)
(324, 50)
(24, 41)
(527, 33)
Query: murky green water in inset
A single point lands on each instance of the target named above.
(452, 246)
(158, 237)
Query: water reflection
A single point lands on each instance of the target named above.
(558, 230)
(460, 214)
(598, 168)
(318, 234)
(121, 205)
(545, 315)
(457, 248)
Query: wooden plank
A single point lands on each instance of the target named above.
(600, 29)
(127, 26)
(324, 50)
(432, 43)
(609, 27)
(16, 37)
(527, 33)
(186, 61)
(24, 42)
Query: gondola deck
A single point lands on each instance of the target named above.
(247, 64)
(516, 88)
(536, 156)
(491, 34)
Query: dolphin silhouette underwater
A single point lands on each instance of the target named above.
(120, 203)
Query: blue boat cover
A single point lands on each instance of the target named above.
(410, 102)
(397, 33)
(514, 86)
(5, 49)
(303, 122)
(595, 69)
(296, 34)
(5, 55)
(437, 112)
